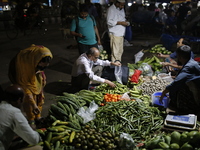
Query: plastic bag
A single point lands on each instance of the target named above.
(126, 142)
(88, 114)
(146, 69)
(126, 97)
(138, 56)
(100, 47)
(118, 74)
(135, 76)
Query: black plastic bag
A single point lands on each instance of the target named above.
(109, 73)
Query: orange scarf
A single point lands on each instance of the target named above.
(25, 64)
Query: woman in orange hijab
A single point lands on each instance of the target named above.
(27, 70)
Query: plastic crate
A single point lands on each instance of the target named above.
(155, 99)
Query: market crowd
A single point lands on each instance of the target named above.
(26, 72)
(181, 18)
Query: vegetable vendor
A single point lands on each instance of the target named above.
(82, 70)
(13, 121)
(184, 90)
(170, 59)
(27, 70)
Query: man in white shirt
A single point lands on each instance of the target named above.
(116, 22)
(82, 70)
(13, 121)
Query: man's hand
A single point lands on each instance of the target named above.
(117, 63)
(165, 63)
(99, 42)
(111, 84)
(163, 95)
(123, 23)
(160, 55)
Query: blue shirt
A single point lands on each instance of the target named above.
(174, 55)
(86, 28)
(189, 72)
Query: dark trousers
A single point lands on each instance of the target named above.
(79, 83)
(82, 48)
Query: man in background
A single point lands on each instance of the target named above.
(171, 59)
(117, 23)
(85, 30)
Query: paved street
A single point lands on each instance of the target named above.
(58, 73)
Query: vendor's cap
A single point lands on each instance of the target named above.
(121, 1)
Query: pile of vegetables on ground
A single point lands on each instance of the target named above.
(115, 118)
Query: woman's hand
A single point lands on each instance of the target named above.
(36, 110)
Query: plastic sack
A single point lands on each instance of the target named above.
(118, 74)
(88, 114)
(126, 97)
(138, 56)
(146, 69)
(126, 142)
(135, 76)
(100, 47)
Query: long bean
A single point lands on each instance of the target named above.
(131, 117)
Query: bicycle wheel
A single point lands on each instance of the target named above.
(12, 31)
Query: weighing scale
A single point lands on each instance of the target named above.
(186, 122)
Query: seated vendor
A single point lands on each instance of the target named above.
(182, 99)
(13, 123)
(82, 71)
(170, 59)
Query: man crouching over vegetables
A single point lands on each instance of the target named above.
(13, 123)
(82, 70)
(183, 91)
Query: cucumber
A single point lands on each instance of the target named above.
(73, 111)
(57, 145)
(61, 106)
(47, 145)
(49, 136)
(67, 108)
(58, 110)
(72, 136)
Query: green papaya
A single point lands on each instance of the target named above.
(175, 137)
(184, 138)
(153, 143)
(167, 139)
(174, 146)
(163, 145)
